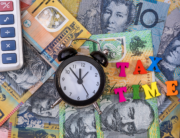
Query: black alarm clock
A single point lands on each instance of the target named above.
(80, 79)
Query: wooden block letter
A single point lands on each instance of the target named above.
(139, 68)
(121, 95)
(171, 90)
(153, 92)
(122, 65)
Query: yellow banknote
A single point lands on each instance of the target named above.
(47, 24)
(125, 47)
(71, 5)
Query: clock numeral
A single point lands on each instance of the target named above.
(96, 74)
(67, 71)
(74, 66)
(87, 96)
(65, 88)
(63, 78)
(70, 93)
(97, 84)
(90, 67)
(94, 91)
(82, 64)
(78, 98)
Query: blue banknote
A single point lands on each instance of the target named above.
(115, 16)
(169, 49)
(35, 118)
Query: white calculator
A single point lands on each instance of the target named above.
(11, 46)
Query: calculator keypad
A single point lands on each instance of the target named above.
(6, 6)
(6, 19)
(11, 53)
(7, 32)
(8, 45)
(9, 58)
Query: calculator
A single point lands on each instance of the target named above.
(11, 47)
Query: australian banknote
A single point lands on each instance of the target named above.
(71, 5)
(110, 16)
(169, 52)
(41, 63)
(132, 119)
(125, 47)
(36, 117)
(17, 86)
(47, 25)
(170, 127)
(169, 47)
(173, 4)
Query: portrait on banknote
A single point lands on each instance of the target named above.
(117, 15)
(170, 63)
(37, 110)
(51, 19)
(167, 126)
(31, 133)
(133, 117)
(168, 34)
(80, 123)
(108, 16)
(33, 71)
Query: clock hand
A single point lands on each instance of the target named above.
(80, 74)
(84, 75)
(85, 89)
(74, 73)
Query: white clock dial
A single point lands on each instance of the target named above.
(80, 80)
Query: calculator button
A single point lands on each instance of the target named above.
(9, 58)
(6, 19)
(6, 6)
(7, 32)
(8, 45)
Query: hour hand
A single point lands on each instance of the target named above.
(74, 73)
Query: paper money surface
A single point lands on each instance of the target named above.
(104, 16)
(125, 47)
(49, 27)
(173, 4)
(47, 24)
(170, 127)
(169, 48)
(71, 5)
(17, 86)
(36, 118)
(132, 119)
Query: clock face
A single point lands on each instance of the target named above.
(80, 80)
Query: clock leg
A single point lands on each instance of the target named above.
(56, 103)
(97, 108)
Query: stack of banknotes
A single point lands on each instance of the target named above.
(130, 30)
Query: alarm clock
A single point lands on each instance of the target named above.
(80, 79)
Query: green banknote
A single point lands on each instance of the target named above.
(131, 119)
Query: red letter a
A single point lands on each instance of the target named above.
(139, 68)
